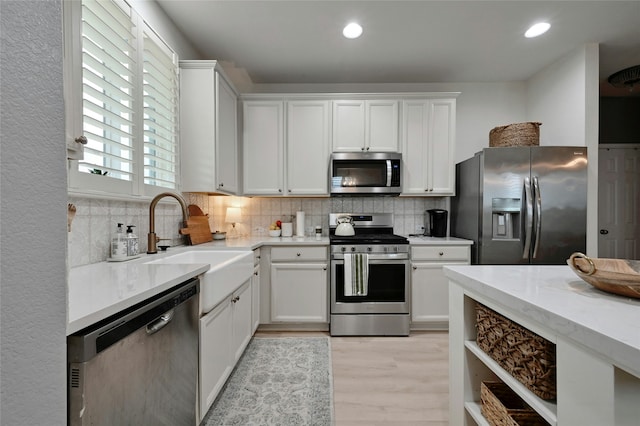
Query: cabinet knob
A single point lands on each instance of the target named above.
(367, 148)
(221, 184)
(255, 273)
(298, 254)
(279, 190)
(415, 267)
(441, 254)
(362, 149)
(81, 140)
(289, 190)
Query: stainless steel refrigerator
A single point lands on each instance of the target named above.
(522, 205)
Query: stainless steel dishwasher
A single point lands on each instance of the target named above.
(139, 367)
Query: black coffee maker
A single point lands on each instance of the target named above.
(436, 222)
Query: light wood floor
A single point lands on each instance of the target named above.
(380, 381)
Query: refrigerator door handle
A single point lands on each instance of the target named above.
(528, 227)
(537, 216)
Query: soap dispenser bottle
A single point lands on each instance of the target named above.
(118, 244)
(132, 242)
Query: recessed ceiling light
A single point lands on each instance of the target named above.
(352, 30)
(537, 29)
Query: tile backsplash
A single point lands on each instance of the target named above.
(96, 219)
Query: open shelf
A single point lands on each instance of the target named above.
(548, 410)
(473, 408)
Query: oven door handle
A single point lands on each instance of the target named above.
(375, 257)
(389, 173)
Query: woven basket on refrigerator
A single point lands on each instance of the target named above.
(502, 407)
(517, 134)
(529, 358)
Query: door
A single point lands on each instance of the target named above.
(381, 131)
(226, 137)
(241, 320)
(619, 202)
(307, 147)
(503, 174)
(263, 148)
(559, 178)
(299, 292)
(215, 353)
(348, 126)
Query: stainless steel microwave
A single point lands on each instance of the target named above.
(365, 173)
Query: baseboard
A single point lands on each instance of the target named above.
(294, 327)
(430, 326)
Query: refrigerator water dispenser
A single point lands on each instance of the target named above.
(506, 218)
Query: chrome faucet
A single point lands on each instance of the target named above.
(152, 239)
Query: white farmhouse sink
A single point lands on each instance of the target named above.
(229, 269)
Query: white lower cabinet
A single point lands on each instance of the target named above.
(430, 287)
(225, 332)
(255, 291)
(215, 347)
(299, 284)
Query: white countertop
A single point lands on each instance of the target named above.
(558, 299)
(99, 290)
(423, 240)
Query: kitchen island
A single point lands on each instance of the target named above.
(597, 338)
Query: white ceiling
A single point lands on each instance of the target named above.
(405, 41)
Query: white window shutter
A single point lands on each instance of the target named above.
(160, 98)
(108, 70)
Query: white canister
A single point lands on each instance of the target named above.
(300, 224)
(287, 229)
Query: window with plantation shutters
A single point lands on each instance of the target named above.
(129, 98)
(160, 113)
(108, 78)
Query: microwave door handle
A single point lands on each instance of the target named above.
(528, 196)
(389, 172)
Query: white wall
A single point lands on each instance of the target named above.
(158, 20)
(480, 106)
(564, 97)
(33, 187)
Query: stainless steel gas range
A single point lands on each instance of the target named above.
(370, 278)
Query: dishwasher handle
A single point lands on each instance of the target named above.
(160, 323)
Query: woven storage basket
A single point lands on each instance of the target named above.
(528, 357)
(502, 407)
(517, 134)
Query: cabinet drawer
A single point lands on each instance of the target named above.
(298, 253)
(440, 253)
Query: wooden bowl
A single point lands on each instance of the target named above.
(619, 276)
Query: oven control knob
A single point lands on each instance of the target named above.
(353, 248)
(369, 248)
(343, 248)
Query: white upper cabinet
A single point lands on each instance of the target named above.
(208, 129)
(428, 129)
(263, 147)
(286, 163)
(307, 147)
(365, 125)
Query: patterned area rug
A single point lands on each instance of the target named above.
(278, 381)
